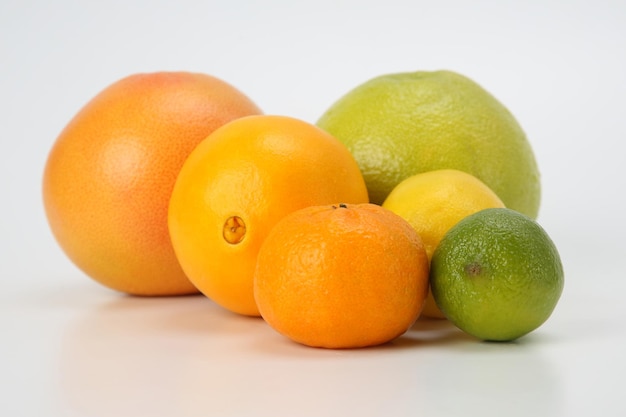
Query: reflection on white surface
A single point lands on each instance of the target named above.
(187, 357)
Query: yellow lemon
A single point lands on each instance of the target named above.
(433, 202)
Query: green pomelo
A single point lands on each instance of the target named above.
(398, 125)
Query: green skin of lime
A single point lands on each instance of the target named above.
(497, 275)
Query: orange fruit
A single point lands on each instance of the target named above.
(109, 176)
(341, 276)
(237, 184)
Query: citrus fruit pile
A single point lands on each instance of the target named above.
(414, 194)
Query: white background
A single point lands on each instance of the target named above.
(70, 347)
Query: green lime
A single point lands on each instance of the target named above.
(398, 125)
(497, 275)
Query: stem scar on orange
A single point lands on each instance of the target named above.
(341, 276)
(109, 176)
(237, 184)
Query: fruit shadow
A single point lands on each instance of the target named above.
(202, 318)
(185, 316)
(195, 321)
(426, 332)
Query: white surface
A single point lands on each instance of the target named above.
(72, 348)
